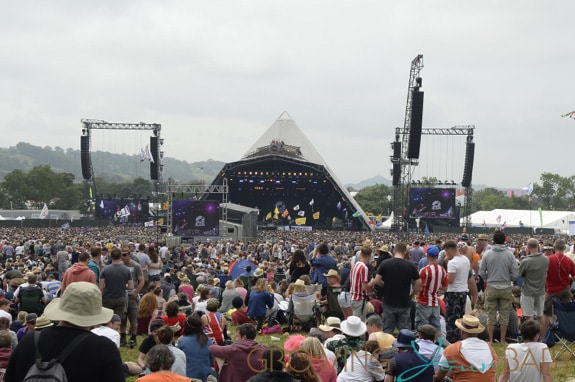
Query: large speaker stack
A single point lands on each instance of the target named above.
(416, 123)
(85, 157)
(155, 163)
(468, 169)
(396, 160)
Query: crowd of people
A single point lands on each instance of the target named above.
(387, 306)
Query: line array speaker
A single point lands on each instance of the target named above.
(85, 157)
(155, 164)
(468, 169)
(416, 123)
(396, 174)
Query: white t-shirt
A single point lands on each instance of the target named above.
(357, 369)
(109, 333)
(525, 361)
(460, 266)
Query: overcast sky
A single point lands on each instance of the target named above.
(216, 74)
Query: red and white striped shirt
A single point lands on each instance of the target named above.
(358, 276)
(432, 278)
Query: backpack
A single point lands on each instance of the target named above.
(51, 371)
(31, 299)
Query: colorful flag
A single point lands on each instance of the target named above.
(101, 204)
(285, 214)
(166, 206)
(426, 231)
(316, 215)
(269, 216)
(311, 202)
(296, 208)
(570, 115)
(65, 226)
(301, 213)
(149, 155)
(356, 214)
(149, 224)
(300, 221)
(160, 221)
(339, 205)
(379, 217)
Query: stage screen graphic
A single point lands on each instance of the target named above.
(432, 203)
(195, 218)
(123, 210)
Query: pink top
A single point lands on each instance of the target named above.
(325, 369)
(189, 290)
(243, 292)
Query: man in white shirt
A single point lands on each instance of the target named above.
(110, 330)
(458, 267)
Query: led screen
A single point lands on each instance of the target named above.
(122, 210)
(195, 218)
(432, 203)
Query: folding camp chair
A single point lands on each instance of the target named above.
(303, 310)
(564, 329)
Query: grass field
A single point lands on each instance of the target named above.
(562, 370)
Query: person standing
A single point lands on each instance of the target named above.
(114, 279)
(79, 271)
(433, 277)
(499, 269)
(322, 262)
(416, 253)
(560, 273)
(145, 262)
(533, 269)
(359, 278)
(456, 295)
(133, 298)
(397, 276)
(79, 309)
(94, 263)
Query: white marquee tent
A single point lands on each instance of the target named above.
(558, 220)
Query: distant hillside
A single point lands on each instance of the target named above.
(369, 182)
(112, 167)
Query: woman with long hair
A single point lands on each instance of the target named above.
(239, 286)
(185, 286)
(194, 343)
(146, 311)
(201, 301)
(323, 367)
(260, 299)
(161, 303)
(298, 266)
(301, 367)
(154, 268)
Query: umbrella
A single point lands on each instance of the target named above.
(238, 268)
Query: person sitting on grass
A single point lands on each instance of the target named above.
(160, 360)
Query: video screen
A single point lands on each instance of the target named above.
(196, 218)
(432, 203)
(123, 210)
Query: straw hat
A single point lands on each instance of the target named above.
(258, 272)
(384, 340)
(299, 282)
(470, 324)
(80, 305)
(333, 273)
(353, 327)
(43, 322)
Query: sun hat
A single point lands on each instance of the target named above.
(384, 340)
(384, 248)
(353, 327)
(258, 272)
(333, 322)
(299, 282)
(332, 273)
(482, 237)
(80, 305)
(470, 324)
(405, 338)
(432, 251)
(43, 322)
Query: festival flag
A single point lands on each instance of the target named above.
(504, 225)
(160, 221)
(426, 231)
(301, 213)
(91, 196)
(142, 154)
(529, 188)
(356, 214)
(101, 204)
(569, 115)
(300, 221)
(316, 215)
(44, 213)
(311, 202)
(285, 214)
(65, 226)
(379, 217)
(339, 205)
(149, 155)
(149, 224)
(296, 208)
(498, 219)
(510, 193)
(269, 216)
(484, 223)
(276, 213)
(166, 206)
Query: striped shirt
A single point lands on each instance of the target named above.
(358, 276)
(432, 277)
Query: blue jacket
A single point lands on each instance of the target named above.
(259, 302)
(321, 265)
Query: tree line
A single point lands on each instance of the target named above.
(60, 190)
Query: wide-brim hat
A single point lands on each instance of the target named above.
(405, 338)
(258, 272)
(333, 273)
(80, 305)
(353, 327)
(470, 324)
(299, 282)
(42, 322)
